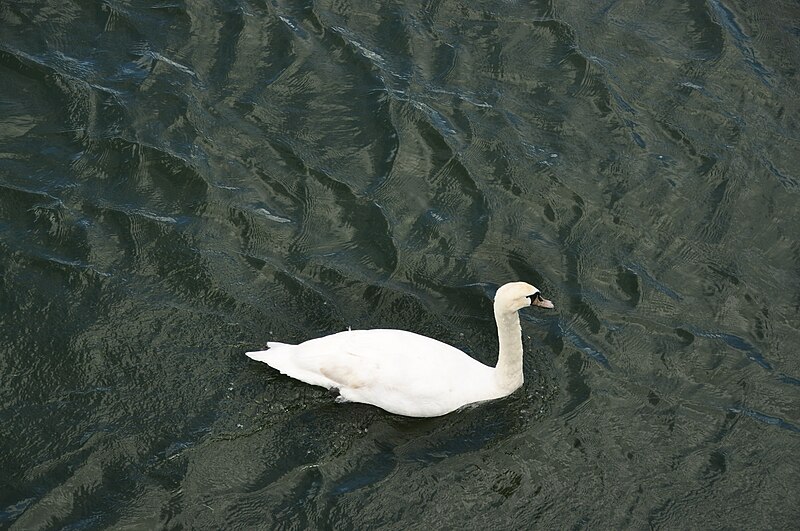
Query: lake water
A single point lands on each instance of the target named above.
(183, 181)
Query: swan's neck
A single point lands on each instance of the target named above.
(508, 373)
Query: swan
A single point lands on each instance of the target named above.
(406, 373)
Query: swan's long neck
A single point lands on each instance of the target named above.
(508, 373)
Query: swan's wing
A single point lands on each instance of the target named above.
(408, 374)
(349, 370)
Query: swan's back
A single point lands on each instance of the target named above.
(399, 371)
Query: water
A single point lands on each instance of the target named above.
(181, 182)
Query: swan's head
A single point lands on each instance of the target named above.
(517, 295)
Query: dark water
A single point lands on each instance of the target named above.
(182, 181)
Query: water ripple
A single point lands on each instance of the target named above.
(184, 181)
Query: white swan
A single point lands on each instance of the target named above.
(406, 373)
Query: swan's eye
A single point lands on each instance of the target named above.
(536, 296)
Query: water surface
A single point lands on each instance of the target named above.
(181, 182)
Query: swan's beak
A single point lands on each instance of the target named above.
(538, 300)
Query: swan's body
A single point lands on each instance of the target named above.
(406, 373)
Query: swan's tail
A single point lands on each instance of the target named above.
(266, 356)
(296, 362)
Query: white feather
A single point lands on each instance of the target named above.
(406, 373)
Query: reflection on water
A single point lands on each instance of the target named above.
(182, 182)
